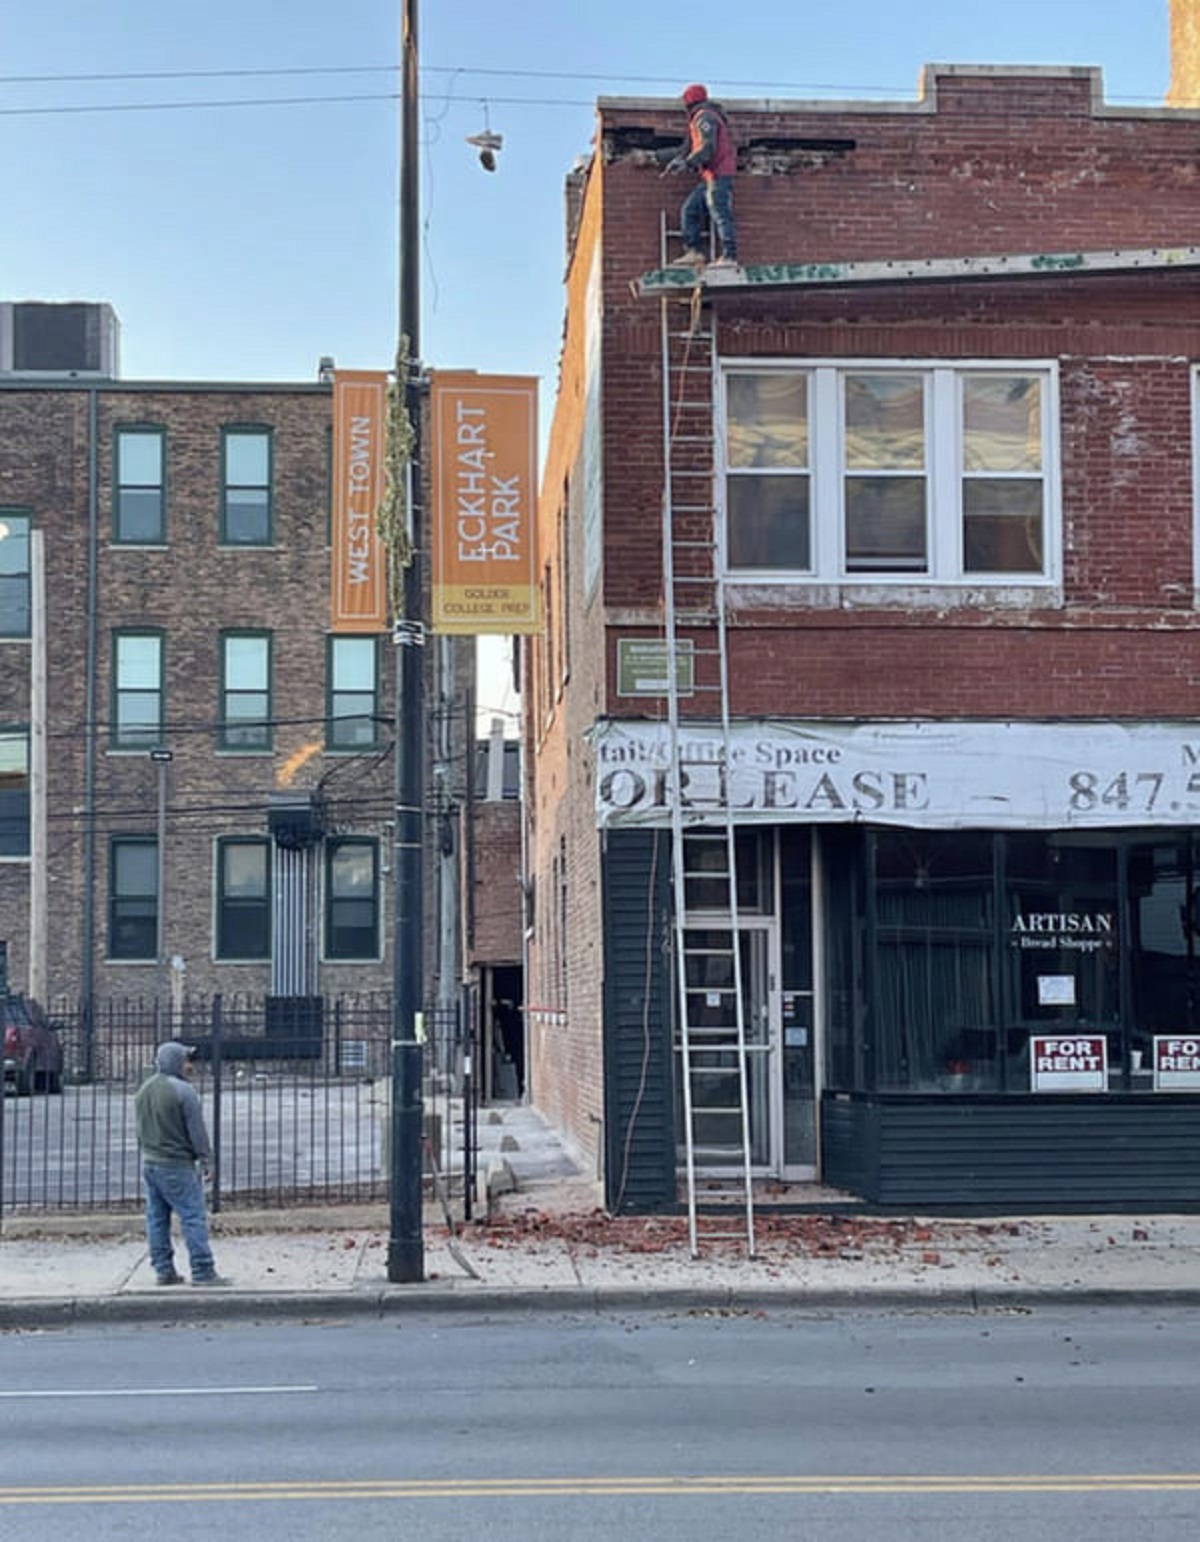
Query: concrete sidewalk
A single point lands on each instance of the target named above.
(547, 1245)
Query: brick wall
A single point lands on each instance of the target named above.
(496, 934)
(193, 589)
(988, 162)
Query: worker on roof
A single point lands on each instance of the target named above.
(710, 150)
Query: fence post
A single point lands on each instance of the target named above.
(216, 1123)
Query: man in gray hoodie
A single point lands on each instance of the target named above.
(176, 1158)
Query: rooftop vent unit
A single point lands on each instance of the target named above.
(42, 339)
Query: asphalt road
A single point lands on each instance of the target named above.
(1008, 1426)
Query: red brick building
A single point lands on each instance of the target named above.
(928, 461)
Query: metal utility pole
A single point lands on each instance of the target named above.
(162, 758)
(405, 1259)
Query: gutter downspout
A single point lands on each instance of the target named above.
(87, 939)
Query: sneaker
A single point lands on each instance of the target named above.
(724, 262)
(210, 1281)
(170, 1279)
(688, 259)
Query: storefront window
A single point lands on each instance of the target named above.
(934, 1000)
(1063, 943)
(973, 941)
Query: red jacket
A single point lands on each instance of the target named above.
(713, 152)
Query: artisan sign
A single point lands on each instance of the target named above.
(1080, 931)
(484, 503)
(1068, 1062)
(922, 775)
(1176, 1063)
(359, 566)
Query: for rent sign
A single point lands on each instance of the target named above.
(484, 503)
(1068, 1062)
(1176, 1063)
(359, 560)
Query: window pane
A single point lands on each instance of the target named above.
(354, 664)
(1002, 525)
(135, 868)
(244, 869)
(14, 794)
(768, 522)
(246, 663)
(14, 575)
(885, 524)
(768, 420)
(247, 459)
(1002, 423)
(139, 514)
(138, 663)
(935, 950)
(247, 517)
(139, 457)
(885, 421)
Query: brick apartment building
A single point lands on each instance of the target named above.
(182, 605)
(929, 466)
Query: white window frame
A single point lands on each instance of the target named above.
(829, 580)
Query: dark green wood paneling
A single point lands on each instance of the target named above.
(639, 1102)
(1021, 1153)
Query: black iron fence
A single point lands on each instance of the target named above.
(296, 1092)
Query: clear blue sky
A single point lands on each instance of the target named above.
(244, 242)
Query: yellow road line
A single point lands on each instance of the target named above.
(664, 1486)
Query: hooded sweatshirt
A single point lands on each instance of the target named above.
(170, 1124)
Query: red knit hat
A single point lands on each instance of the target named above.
(694, 94)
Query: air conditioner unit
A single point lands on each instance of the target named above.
(52, 339)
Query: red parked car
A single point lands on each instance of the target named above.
(33, 1053)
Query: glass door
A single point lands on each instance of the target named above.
(712, 1019)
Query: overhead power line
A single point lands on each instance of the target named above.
(668, 85)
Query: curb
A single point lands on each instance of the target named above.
(249, 1306)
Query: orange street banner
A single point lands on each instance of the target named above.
(484, 503)
(359, 559)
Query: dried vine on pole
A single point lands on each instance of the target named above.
(392, 523)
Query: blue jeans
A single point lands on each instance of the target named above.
(177, 1189)
(710, 199)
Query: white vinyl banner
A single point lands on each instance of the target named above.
(1046, 776)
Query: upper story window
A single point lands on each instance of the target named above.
(246, 691)
(14, 573)
(353, 716)
(137, 714)
(886, 473)
(139, 502)
(14, 792)
(246, 486)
